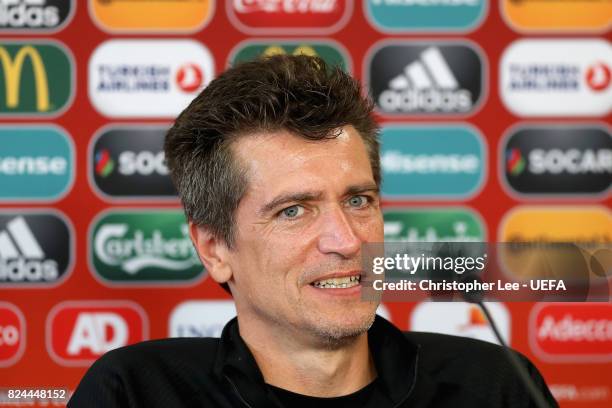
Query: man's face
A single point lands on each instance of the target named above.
(309, 207)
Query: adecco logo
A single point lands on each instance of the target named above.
(128, 247)
(425, 15)
(461, 319)
(185, 16)
(36, 163)
(12, 334)
(289, 16)
(42, 87)
(426, 78)
(557, 77)
(557, 159)
(557, 15)
(200, 318)
(127, 162)
(441, 162)
(35, 16)
(330, 51)
(433, 225)
(36, 248)
(147, 78)
(78, 333)
(571, 332)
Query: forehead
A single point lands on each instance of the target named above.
(281, 156)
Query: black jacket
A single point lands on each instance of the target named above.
(414, 370)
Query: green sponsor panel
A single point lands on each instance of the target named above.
(326, 51)
(436, 225)
(143, 247)
(35, 78)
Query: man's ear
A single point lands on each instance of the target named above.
(212, 251)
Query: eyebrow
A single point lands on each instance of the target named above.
(305, 196)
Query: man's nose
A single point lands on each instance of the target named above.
(338, 234)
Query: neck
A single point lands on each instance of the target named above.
(314, 367)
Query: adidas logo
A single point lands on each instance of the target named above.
(21, 256)
(427, 84)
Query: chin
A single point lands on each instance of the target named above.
(345, 325)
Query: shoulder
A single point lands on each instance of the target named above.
(480, 368)
(155, 370)
(443, 352)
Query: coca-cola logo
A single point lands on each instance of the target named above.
(289, 16)
(572, 332)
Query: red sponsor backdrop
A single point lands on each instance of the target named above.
(578, 382)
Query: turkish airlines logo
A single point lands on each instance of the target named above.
(12, 334)
(426, 78)
(598, 76)
(189, 77)
(289, 16)
(569, 77)
(461, 319)
(34, 248)
(147, 78)
(78, 333)
(575, 332)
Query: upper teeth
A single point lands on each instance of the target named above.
(346, 282)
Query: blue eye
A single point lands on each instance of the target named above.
(358, 201)
(293, 211)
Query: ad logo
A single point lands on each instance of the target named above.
(200, 318)
(147, 78)
(35, 248)
(12, 334)
(444, 162)
(557, 15)
(185, 16)
(78, 333)
(43, 86)
(420, 78)
(461, 319)
(557, 77)
(289, 16)
(36, 163)
(433, 225)
(128, 162)
(425, 15)
(557, 159)
(35, 15)
(330, 51)
(571, 332)
(143, 247)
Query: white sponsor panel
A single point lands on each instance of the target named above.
(571, 77)
(147, 78)
(461, 319)
(200, 318)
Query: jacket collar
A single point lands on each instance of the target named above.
(395, 358)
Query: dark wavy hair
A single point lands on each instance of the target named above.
(300, 94)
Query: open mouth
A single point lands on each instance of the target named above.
(338, 283)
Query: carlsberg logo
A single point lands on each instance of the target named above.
(148, 246)
(135, 252)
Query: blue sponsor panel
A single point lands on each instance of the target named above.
(425, 15)
(439, 162)
(36, 163)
